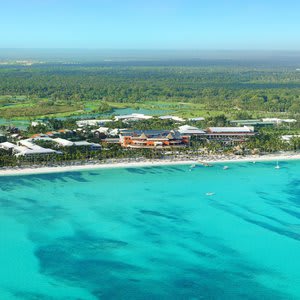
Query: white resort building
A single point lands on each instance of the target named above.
(84, 123)
(132, 117)
(191, 130)
(66, 143)
(27, 148)
(229, 134)
(196, 119)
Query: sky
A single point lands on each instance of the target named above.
(151, 24)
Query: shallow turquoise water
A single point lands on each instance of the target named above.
(152, 233)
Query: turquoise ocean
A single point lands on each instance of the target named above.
(152, 233)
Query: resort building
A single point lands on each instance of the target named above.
(92, 146)
(279, 121)
(153, 139)
(190, 131)
(16, 136)
(29, 144)
(264, 122)
(111, 140)
(101, 132)
(52, 133)
(132, 117)
(27, 148)
(7, 146)
(254, 123)
(66, 143)
(84, 123)
(23, 151)
(40, 136)
(229, 134)
(104, 130)
(37, 123)
(63, 142)
(197, 119)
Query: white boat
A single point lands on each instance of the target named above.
(277, 166)
(209, 194)
(225, 168)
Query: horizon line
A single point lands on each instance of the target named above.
(147, 49)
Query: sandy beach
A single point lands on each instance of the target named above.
(211, 159)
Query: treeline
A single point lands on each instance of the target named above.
(213, 87)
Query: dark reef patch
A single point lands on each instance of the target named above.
(157, 214)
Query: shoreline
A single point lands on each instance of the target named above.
(213, 159)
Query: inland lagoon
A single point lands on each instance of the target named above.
(170, 232)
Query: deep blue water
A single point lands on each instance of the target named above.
(152, 233)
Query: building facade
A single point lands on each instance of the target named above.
(153, 139)
(229, 135)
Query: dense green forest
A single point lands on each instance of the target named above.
(29, 91)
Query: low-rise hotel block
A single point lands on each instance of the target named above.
(153, 139)
(229, 135)
(27, 148)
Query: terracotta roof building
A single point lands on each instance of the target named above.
(153, 139)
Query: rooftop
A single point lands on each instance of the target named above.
(143, 134)
(63, 142)
(132, 117)
(174, 118)
(7, 145)
(187, 129)
(244, 129)
(197, 119)
(92, 122)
